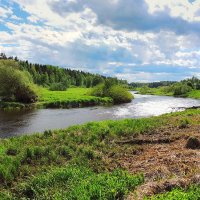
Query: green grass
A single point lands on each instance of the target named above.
(161, 91)
(72, 97)
(38, 160)
(69, 94)
(193, 193)
(194, 94)
(73, 182)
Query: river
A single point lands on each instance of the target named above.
(27, 122)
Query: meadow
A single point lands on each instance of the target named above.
(80, 162)
(72, 97)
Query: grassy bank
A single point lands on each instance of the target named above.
(163, 91)
(79, 162)
(71, 98)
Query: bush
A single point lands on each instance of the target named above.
(181, 89)
(58, 87)
(118, 93)
(193, 143)
(16, 85)
(26, 94)
(98, 91)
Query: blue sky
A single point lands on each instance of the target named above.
(137, 40)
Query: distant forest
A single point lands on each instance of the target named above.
(47, 75)
(153, 84)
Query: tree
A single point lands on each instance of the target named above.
(16, 85)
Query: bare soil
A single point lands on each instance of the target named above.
(163, 158)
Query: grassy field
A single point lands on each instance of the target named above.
(78, 162)
(71, 98)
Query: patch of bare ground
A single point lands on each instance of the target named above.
(163, 159)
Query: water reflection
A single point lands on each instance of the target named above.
(27, 122)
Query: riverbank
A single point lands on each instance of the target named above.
(161, 91)
(97, 160)
(71, 98)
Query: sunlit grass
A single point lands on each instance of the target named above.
(193, 193)
(194, 94)
(72, 97)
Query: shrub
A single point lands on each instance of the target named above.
(193, 143)
(181, 89)
(16, 85)
(98, 90)
(26, 94)
(120, 94)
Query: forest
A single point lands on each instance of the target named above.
(47, 75)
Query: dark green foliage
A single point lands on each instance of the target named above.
(152, 85)
(193, 143)
(46, 75)
(181, 89)
(193, 82)
(58, 87)
(118, 93)
(26, 94)
(15, 85)
(52, 76)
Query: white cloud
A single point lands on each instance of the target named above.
(15, 17)
(33, 19)
(178, 8)
(78, 40)
(5, 12)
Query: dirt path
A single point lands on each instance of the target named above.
(164, 160)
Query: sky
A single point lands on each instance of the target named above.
(136, 40)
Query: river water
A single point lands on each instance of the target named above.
(28, 122)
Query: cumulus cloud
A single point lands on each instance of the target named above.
(138, 15)
(138, 40)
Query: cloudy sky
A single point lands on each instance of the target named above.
(137, 40)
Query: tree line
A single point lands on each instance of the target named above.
(152, 84)
(53, 76)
